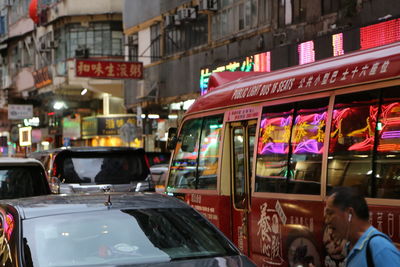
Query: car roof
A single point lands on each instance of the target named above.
(95, 149)
(77, 203)
(15, 161)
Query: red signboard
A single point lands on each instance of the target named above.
(109, 69)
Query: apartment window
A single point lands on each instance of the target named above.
(19, 9)
(45, 50)
(264, 12)
(234, 16)
(133, 47)
(189, 34)
(291, 11)
(329, 6)
(155, 42)
(100, 38)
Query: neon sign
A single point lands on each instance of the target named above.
(306, 52)
(337, 44)
(257, 63)
(380, 34)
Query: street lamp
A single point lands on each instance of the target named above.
(59, 105)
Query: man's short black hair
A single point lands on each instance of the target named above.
(346, 197)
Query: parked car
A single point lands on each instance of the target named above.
(21, 177)
(111, 229)
(87, 169)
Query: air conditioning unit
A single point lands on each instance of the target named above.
(187, 13)
(211, 5)
(82, 52)
(171, 21)
(53, 44)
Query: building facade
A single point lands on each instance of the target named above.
(182, 42)
(47, 48)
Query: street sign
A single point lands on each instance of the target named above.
(19, 112)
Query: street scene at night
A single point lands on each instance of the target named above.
(200, 133)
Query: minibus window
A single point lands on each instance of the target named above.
(388, 149)
(195, 159)
(208, 157)
(289, 155)
(273, 148)
(352, 140)
(183, 169)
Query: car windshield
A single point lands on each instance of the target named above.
(24, 181)
(101, 168)
(118, 237)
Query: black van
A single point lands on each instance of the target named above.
(85, 169)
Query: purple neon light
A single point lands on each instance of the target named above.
(274, 148)
(309, 146)
(391, 134)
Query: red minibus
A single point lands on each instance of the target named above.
(259, 153)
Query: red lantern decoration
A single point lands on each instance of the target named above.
(33, 11)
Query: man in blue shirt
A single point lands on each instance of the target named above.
(347, 214)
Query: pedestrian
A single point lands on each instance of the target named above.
(347, 214)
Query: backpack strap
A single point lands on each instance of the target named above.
(370, 262)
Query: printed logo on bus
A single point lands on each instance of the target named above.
(278, 235)
(269, 231)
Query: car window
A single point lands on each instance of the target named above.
(140, 236)
(16, 182)
(102, 168)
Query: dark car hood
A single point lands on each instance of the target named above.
(232, 261)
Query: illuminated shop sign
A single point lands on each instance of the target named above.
(42, 77)
(109, 69)
(380, 34)
(105, 125)
(259, 63)
(25, 136)
(337, 44)
(71, 127)
(306, 52)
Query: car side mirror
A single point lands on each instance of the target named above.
(172, 138)
(55, 185)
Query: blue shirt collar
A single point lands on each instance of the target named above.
(361, 241)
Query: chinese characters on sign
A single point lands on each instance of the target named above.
(107, 125)
(337, 77)
(109, 69)
(42, 77)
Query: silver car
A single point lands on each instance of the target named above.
(111, 229)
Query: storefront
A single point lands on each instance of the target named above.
(112, 130)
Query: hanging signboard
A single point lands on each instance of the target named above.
(105, 125)
(42, 77)
(20, 112)
(109, 69)
(25, 136)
